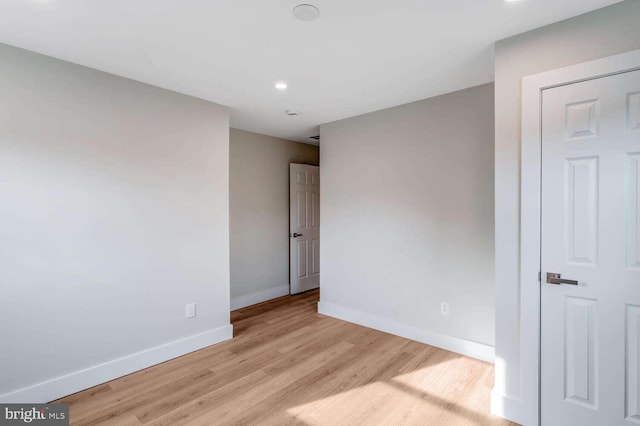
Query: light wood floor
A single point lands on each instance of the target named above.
(288, 365)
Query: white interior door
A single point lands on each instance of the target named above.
(590, 328)
(304, 226)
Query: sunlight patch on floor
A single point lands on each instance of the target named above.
(422, 396)
(384, 404)
(354, 406)
(435, 378)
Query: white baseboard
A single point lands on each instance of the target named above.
(507, 407)
(83, 379)
(259, 296)
(453, 344)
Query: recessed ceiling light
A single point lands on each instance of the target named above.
(280, 85)
(294, 112)
(306, 12)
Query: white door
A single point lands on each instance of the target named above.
(590, 323)
(304, 226)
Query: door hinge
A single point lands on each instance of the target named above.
(539, 276)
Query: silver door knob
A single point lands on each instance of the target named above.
(295, 235)
(553, 278)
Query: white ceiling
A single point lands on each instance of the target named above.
(359, 56)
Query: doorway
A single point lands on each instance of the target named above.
(304, 227)
(590, 253)
(580, 217)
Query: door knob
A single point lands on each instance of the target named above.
(295, 234)
(553, 278)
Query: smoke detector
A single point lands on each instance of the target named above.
(293, 112)
(306, 12)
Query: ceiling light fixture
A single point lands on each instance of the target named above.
(306, 12)
(293, 112)
(280, 85)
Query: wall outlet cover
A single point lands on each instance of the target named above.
(191, 310)
(444, 308)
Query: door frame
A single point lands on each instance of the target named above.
(291, 187)
(530, 209)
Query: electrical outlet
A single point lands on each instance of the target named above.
(191, 310)
(444, 308)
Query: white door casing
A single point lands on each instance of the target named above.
(304, 227)
(590, 182)
(524, 407)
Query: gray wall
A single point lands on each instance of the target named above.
(259, 203)
(597, 34)
(407, 215)
(114, 213)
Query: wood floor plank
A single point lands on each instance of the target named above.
(168, 370)
(289, 365)
(229, 414)
(208, 403)
(178, 396)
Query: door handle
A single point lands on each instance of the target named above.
(295, 235)
(553, 278)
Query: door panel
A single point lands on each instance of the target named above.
(302, 259)
(582, 209)
(633, 363)
(315, 247)
(633, 111)
(304, 227)
(590, 221)
(315, 210)
(580, 366)
(633, 210)
(301, 196)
